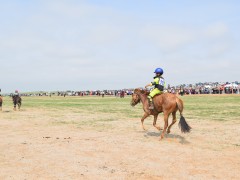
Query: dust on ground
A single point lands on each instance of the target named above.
(46, 144)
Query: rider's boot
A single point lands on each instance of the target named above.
(150, 103)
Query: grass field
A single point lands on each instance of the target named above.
(204, 107)
(99, 138)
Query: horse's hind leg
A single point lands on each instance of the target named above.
(173, 121)
(19, 106)
(155, 121)
(166, 115)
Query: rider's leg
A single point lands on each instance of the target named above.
(151, 95)
(150, 102)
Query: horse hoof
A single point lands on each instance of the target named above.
(159, 128)
(144, 128)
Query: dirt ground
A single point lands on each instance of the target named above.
(44, 144)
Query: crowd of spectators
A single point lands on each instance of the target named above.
(118, 93)
(206, 88)
(183, 89)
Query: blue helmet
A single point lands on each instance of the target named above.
(159, 71)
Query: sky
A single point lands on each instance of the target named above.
(53, 45)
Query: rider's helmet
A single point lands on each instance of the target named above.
(16, 91)
(159, 71)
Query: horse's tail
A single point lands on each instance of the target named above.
(183, 125)
(179, 105)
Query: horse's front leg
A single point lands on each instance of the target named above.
(142, 120)
(14, 108)
(155, 121)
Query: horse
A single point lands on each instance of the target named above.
(17, 100)
(167, 103)
(1, 101)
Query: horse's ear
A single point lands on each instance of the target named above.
(144, 91)
(136, 90)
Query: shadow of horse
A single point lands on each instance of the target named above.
(181, 139)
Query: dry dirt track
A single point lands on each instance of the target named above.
(34, 146)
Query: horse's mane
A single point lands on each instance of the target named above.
(141, 91)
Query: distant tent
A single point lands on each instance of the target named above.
(233, 85)
(207, 86)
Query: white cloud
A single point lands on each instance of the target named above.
(216, 30)
(219, 49)
(168, 38)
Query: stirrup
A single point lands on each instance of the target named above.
(151, 105)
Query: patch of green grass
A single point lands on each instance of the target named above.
(212, 107)
(197, 107)
(64, 122)
(238, 145)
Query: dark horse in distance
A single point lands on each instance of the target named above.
(1, 101)
(17, 100)
(167, 103)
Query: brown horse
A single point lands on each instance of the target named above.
(1, 101)
(17, 100)
(167, 103)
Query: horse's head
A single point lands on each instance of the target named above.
(136, 96)
(135, 99)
